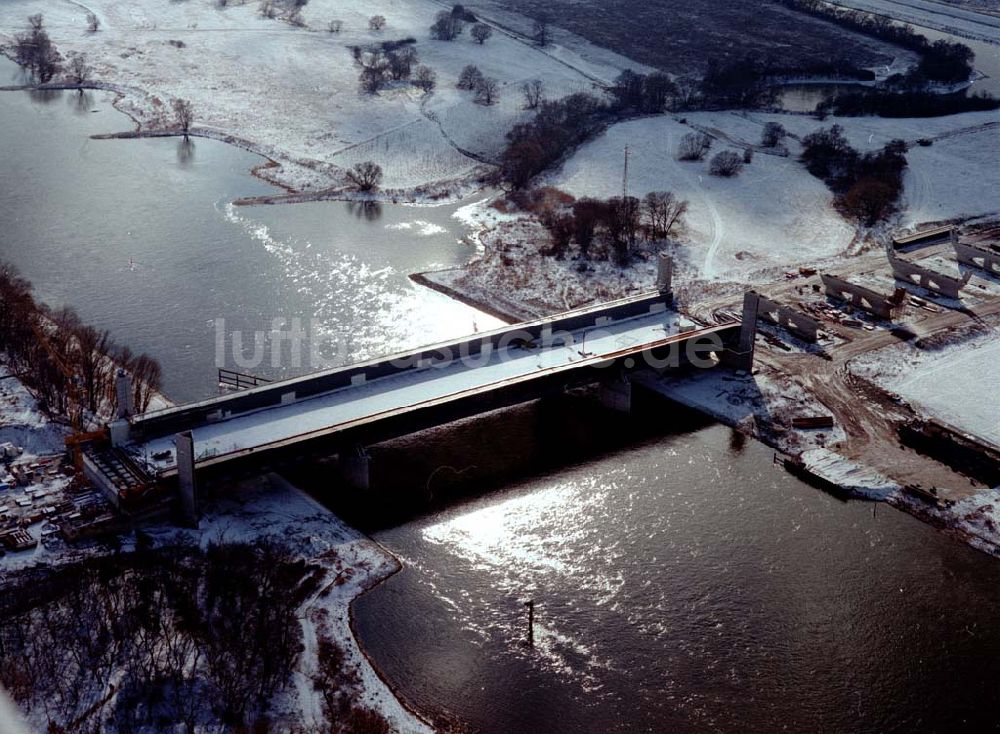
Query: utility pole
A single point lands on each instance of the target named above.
(531, 621)
(625, 177)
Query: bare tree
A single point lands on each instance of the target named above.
(365, 176)
(533, 94)
(622, 223)
(657, 92)
(93, 22)
(147, 377)
(487, 91)
(77, 70)
(401, 61)
(772, 135)
(726, 163)
(540, 30)
(693, 147)
(688, 91)
(371, 79)
(425, 78)
(184, 114)
(447, 26)
(376, 23)
(481, 32)
(469, 77)
(663, 210)
(35, 50)
(561, 228)
(335, 26)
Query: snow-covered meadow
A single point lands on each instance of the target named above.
(291, 93)
(951, 383)
(773, 214)
(955, 177)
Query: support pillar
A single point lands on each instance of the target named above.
(120, 432)
(616, 394)
(664, 273)
(356, 468)
(187, 484)
(123, 393)
(741, 358)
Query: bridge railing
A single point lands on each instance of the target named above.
(178, 418)
(240, 380)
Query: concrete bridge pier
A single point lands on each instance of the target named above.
(120, 431)
(616, 394)
(123, 395)
(186, 482)
(356, 468)
(664, 273)
(740, 356)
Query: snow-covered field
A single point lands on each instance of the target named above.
(951, 384)
(955, 177)
(934, 14)
(773, 214)
(292, 93)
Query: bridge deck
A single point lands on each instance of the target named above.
(373, 399)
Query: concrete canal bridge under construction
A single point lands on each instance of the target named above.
(342, 410)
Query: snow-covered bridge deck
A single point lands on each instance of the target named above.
(422, 388)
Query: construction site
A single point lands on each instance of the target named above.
(850, 342)
(828, 370)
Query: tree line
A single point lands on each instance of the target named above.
(561, 125)
(904, 104)
(68, 364)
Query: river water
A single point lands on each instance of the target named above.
(140, 238)
(682, 583)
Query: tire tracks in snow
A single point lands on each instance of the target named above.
(718, 227)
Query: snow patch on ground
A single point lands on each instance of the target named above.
(764, 400)
(23, 423)
(856, 478)
(951, 383)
